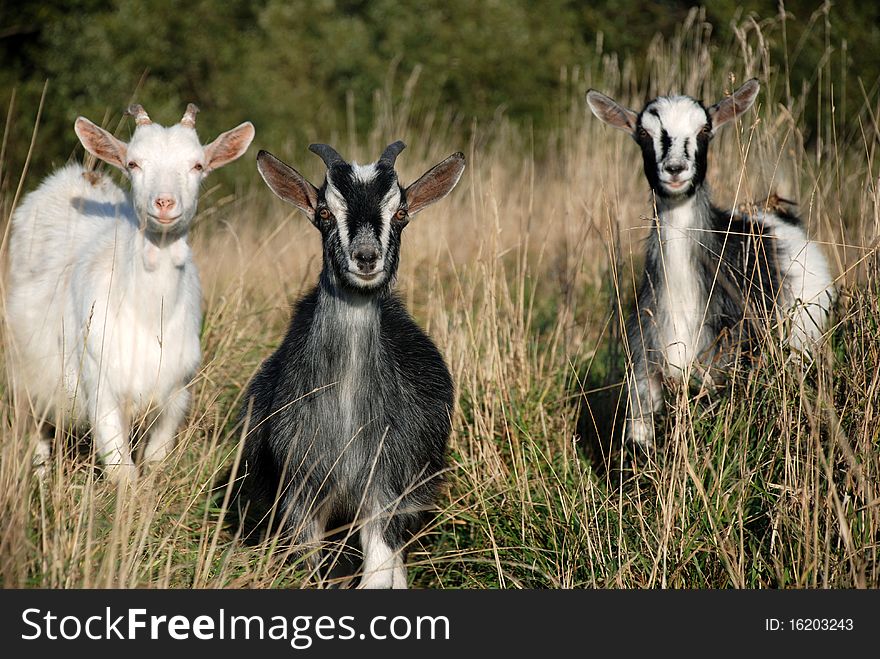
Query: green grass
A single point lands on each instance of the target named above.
(522, 277)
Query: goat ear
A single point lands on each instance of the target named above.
(229, 146)
(734, 105)
(611, 112)
(100, 143)
(435, 184)
(288, 183)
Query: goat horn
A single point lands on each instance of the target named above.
(189, 117)
(389, 155)
(327, 153)
(141, 118)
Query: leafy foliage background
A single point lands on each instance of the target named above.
(303, 70)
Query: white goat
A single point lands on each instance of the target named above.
(103, 300)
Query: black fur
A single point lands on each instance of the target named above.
(363, 203)
(736, 266)
(405, 390)
(714, 286)
(350, 417)
(744, 296)
(650, 160)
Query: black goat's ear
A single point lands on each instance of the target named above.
(288, 183)
(734, 105)
(611, 112)
(435, 184)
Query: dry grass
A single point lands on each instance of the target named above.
(520, 276)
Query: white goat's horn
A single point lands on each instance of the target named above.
(189, 117)
(141, 118)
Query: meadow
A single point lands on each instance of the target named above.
(522, 276)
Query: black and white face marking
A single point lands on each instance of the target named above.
(361, 212)
(673, 133)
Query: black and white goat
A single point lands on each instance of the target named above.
(715, 281)
(104, 303)
(349, 419)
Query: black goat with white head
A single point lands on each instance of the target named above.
(349, 419)
(715, 281)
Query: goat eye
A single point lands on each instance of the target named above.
(324, 214)
(643, 134)
(401, 214)
(706, 130)
(132, 164)
(199, 167)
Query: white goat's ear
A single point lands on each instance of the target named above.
(611, 112)
(288, 183)
(435, 184)
(734, 105)
(100, 143)
(229, 146)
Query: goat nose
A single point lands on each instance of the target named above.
(365, 257)
(164, 202)
(675, 167)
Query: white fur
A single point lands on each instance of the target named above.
(165, 159)
(383, 567)
(681, 118)
(807, 286)
(679, 115)
(676, 126)
(390, 204)
(105, 324)
(103, 300)
(359, 320)
(337, 205)
(364, 173)
(681, 310)
(806, 281)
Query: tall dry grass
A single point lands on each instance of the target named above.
(521, 276)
